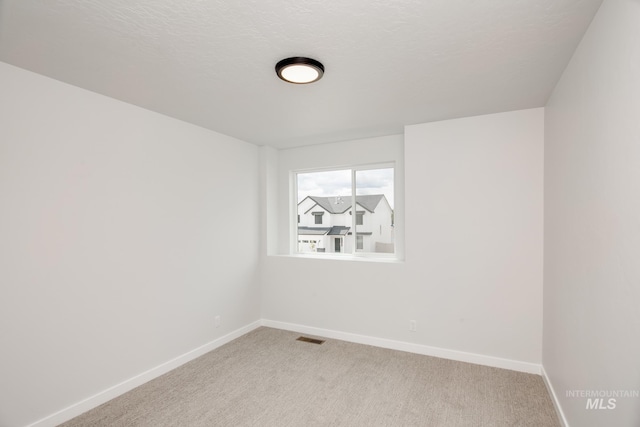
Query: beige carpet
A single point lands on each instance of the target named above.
(267, 378)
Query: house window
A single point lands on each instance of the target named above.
(317, 217)
(326, 201)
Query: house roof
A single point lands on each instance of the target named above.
(314, 231)
(337, 230)
(338, 205)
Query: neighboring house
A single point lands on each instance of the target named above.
(325, 222)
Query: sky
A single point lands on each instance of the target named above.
(338, 183)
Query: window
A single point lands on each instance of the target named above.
(318, 217)
(326, 203)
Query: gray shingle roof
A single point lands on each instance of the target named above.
(337, 230)
(338, 205)
(313, 231)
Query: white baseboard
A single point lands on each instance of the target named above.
(554, 398)
(461, 356)
(118, 389)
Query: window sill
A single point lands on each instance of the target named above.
(345, 257)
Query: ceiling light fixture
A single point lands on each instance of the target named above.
(299, 70)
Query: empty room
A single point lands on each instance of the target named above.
(309, 213)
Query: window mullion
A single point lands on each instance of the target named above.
(353, 210)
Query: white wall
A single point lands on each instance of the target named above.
(121, 237)
(592, 220)
(472, 279)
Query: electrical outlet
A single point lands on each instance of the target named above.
(412, 325)
(216, 321)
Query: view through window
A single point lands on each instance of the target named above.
(346, 211)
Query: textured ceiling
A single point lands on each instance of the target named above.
(388, 62)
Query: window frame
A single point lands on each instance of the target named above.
(317, 215)
(355, 253)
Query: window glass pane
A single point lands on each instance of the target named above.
(324, 202)
(374, 199)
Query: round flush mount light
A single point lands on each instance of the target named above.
(299, 70)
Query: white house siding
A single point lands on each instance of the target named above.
(378, 224)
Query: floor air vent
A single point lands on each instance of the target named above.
(311, 340)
